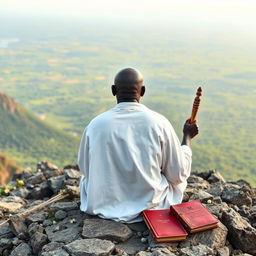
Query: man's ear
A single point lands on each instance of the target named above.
(142, 91)
(113, 88)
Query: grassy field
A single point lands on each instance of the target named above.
(63, 74)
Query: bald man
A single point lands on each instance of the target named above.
(130, 157)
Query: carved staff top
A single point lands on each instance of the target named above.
(196, 105)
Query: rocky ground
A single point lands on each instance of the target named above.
(60, 229)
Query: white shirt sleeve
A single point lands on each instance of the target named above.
(83, 157)
(176, 160)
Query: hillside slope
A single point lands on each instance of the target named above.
(7, 168)
(26, 138)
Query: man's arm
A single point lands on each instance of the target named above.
(189, 132)
(177, 157)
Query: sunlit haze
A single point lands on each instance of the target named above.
(229, 12)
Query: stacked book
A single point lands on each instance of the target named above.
(174, 224)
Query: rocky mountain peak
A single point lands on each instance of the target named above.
(7, 103)
(62, 229)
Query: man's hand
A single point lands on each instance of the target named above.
(189, 132)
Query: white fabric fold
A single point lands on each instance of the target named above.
(131, 160)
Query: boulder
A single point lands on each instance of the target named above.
(106, 229)
(37, 178)
(215, 176)
(58, 252)
(6, 232)
(18, 226)
(197, 250)
(36, 217)
(235, 195)
(240, 233)
(224, 251)
(72, 174)
(11, 203)
(65, 235)
(65, 206)
(132, 246)
(56, 183)
(216, 189)
(201, 195)
(37, 241)
(90, 247)
(213, 238)
(22, 249)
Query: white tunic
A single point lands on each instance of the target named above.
(131, 160)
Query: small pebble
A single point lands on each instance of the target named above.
(144, 240)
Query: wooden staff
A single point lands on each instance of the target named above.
(196, 105)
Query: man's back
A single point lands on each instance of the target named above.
(131, 160)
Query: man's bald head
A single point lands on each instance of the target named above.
(128, 85)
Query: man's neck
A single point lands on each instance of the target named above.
(127, 100)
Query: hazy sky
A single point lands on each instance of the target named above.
(235, 12)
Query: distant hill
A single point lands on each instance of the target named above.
(26, 138)
(7, 168)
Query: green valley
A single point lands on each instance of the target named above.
(62, 72)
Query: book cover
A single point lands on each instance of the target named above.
(164, 226)
(194, 216)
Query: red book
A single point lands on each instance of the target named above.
(194, 216)
(164, 226)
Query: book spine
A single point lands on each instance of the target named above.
(186, 226)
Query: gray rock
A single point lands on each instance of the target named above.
(202, 196)
(37, 241)
(143, 253)
(49, 170)
(11, 203)
(235, 195)
(213, 238)
(106, 229)
(17, 225)
(73, 191)
(200, 249)
(195, 179)
(56, 183)
(6, 232)
(41, 191)
(47, 223)
(197, 182)
(35, 227)
(132, 246)
(90, 247)
(52, 246)
(21, 192)
(72, 174)
(65, 206)
(36, 217)
(161, 252)
(224, 251)
(26, 173)
(58, 252)
(153, 244)
(37, 178)
(22, 249)
(240, 233)
(71, 182)
(216, 177)
(63, 236)
(5, 244)
(60, 214)
(216, 189)
(217, 209)
(138, 226)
